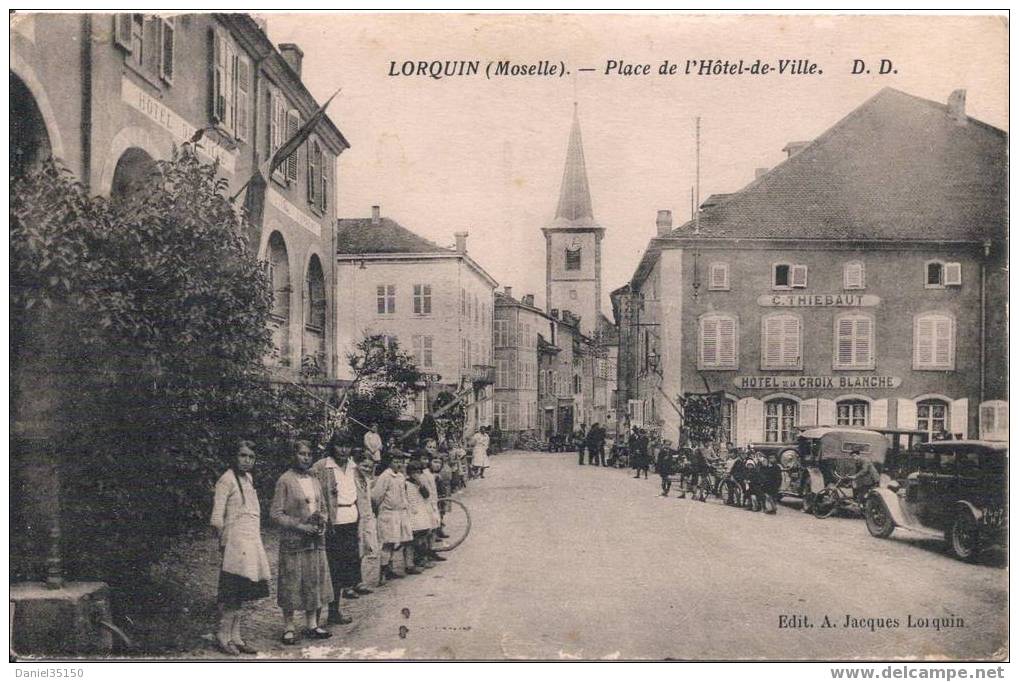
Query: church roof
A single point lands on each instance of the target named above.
(574, 208)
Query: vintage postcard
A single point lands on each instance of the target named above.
(480, 336)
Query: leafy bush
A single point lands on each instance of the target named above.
(158, 311)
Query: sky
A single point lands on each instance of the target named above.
(486, 155)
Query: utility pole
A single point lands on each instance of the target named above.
(697, 185)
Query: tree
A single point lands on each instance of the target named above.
(702, 416)
(386, 380)
(158, 312)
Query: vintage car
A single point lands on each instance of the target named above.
(902, 447)
(956, 490)
(808, 465)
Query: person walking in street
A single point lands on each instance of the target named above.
(580, 442)
(596, 445)
(665, 465)
(479, 445)
(244, 566)
(367, 524)
(389, 496)
(771, 483)
(641, 455)
(373, 443)
(336, 475)
(304, 584)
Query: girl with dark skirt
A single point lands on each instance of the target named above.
(244, 567)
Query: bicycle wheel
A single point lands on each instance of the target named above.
(825, 503)
(456, 524)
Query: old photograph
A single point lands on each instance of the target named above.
(551, 336)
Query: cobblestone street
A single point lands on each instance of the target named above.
(584, 562)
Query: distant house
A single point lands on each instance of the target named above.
(436, 302)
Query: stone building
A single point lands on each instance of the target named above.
(437, 302)
(862, 281)
(109, 94)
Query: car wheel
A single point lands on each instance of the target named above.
(825, 503)
(879, 521)
(964, 537)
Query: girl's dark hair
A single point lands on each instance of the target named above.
(414, 468)
(249, 444)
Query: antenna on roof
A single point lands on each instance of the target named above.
(697, 204)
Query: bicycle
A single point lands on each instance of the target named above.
(456, 524)
(835, 497)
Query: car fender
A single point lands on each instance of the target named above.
(892, 504)
(816, 479)
(961, 505)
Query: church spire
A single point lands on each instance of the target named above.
(574, 209)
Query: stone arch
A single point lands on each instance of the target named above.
(315, 316)
(129, 175)
(21, 69)
(29, 138)
(281, 319)
(128, 138)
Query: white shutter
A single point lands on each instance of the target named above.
(229, 85)
(879, 414)
(218, 78)
(953, 274)
(166, 51)
(960, 416)
(798, 276)
(791, 341)
(844, 342)
(719, 276)
(727, 342)
(943, 343)
(863, 333)
(923, 342)
(709, 342)
(771, 345)
(750, 421)
(853, 276)
(809, 413)
(826, 411)
(906, 414)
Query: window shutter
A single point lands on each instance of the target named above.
(750, 424)
(229, 86)
(953, 274)
(960, 417)
(772, 346)
(166, 30)
(864, 347)
(943, 353)
(122, 31)
(293, 123)
(719, 276)
(790, 341)
(312, 187)
(799, 276)
(844, 342)
(243, 97)
(853, 278)
(323, 195)
(709, 342)
(825, 411)
(218, 78)
(923, 342)
(879, 413)
(906, 414)
(727, 342)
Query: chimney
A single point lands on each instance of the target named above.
(461, 242)
(508, 291)
(376, 215)
(293, 56)
(758, 172)
(957, 106)
(664, 222)
(529, 299)
(794, 148)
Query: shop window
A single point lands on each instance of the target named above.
(932, 418)
(852, 413)
(780, 416)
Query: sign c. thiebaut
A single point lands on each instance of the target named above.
(818, 300)
(833, 382)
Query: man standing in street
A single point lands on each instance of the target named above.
(579, 442)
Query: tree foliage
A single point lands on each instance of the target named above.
(386, 380)
(158, 313)
(702, 416)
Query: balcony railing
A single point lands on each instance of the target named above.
(479, 375)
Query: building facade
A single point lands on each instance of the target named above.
(108, 95)
(858, 283)
(519, 326)
(437, 302)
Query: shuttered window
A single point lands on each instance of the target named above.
(854, 342)
(718, 342)
(953, 274)
(122, 31)
(799, 276)
(166, 31)
(242, 96)
(718, 277)
(934, 342)
(314, 164)
(293, 124)
(781, 342)
(853, 276)
(787, 276)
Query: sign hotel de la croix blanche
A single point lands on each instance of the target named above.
(773, 382)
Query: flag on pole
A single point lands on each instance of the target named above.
(291, 145)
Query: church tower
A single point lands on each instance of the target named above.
(573, 243)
